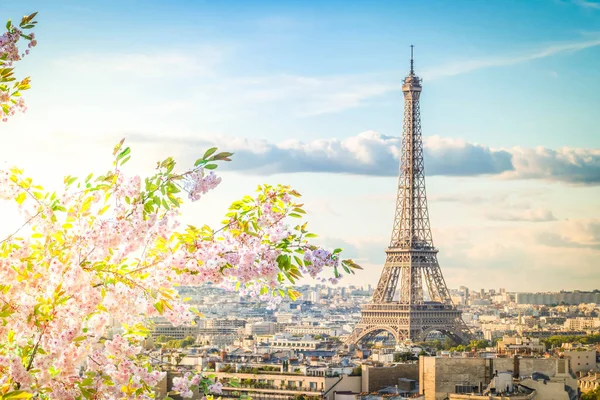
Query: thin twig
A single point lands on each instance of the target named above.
(35, 349)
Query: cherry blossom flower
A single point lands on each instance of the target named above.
(109, 251)
(10, 89)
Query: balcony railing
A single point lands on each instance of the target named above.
(272, 388)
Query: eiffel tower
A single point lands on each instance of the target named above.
(398, 305)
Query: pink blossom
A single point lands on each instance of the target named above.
(95, 257)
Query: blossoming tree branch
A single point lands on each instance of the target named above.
(109, 249)
(10, 88)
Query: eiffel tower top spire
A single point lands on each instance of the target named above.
(412, 81)
(412, 61)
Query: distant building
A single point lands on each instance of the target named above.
(441, 376)
(314, 330)
(582, 359)
(580, 324)
(548, 298)
(375, 379)
(314, 296)
(519, 345)
(261, 328)
(287, 342)
(285, 317)
(174, 332)
(226, 323)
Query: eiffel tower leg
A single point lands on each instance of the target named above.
(431, 286)
(416, 290)
(405, 286)
(436, 284)
(392, 284)
(387, 284)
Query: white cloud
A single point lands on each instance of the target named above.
(536, 215)
(577, 233)
(565, 164)
(371, 153)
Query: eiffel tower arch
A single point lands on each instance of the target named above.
(411, 268)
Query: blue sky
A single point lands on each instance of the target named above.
(307, 93)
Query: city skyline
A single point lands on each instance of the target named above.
(306, 96)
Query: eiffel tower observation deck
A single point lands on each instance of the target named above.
(399, 305)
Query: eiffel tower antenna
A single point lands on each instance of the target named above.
(412, 61)
(399, 305)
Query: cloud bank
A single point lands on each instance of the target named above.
(537, 215)
(373, 154)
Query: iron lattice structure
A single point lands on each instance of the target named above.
(399, 306)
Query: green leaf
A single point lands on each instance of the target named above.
(310, 235)
(209, 153)
(87, 382)
(124, 153)
(210, 166)
(148, 208)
